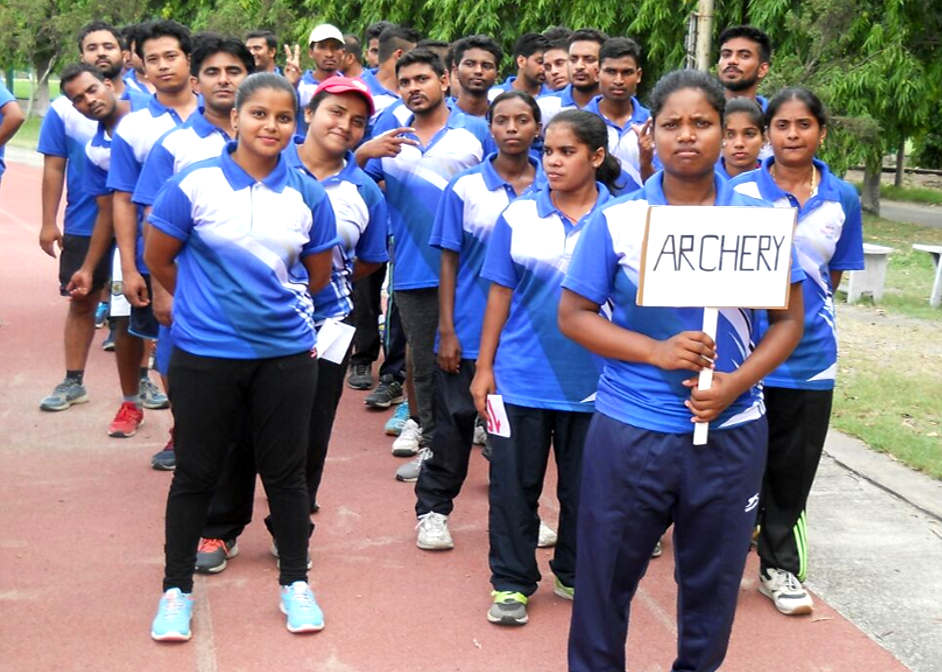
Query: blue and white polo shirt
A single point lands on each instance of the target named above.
(829, 237)
(64, 132)
(132, 82)
(605, 267)
(97, 162)
(555, 102)
(529, 251)
(623, 141)
(415, 180)
(197, 139)
(382, 97)
(360, 213)
(470, 206)
(242, 289)
(508, 85)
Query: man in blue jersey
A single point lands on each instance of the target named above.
(62, 139)
(263, 46)
(371, 38)
(744, 60)
(352, 64)
(11, 118)
(556, 58)
(134, 77)
(531, 75)
(436, 143)
(584, 47)
(476, 59)
(392, 43)
(326, 49)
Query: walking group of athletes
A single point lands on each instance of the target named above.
(240, 209)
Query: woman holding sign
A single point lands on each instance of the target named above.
(544, 380)
(828, 241)
(640, 470)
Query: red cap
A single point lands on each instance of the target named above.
(341, 84)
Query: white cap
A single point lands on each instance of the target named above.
(325, 31)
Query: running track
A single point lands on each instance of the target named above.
(81, 536)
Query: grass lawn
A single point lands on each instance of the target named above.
(889, 384)
(924, 195)
(22, 88)
(28, 135)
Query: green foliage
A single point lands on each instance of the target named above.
(928, 148)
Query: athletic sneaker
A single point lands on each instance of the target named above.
(274, 551)
(172, 622)
(108, 344)
(785, 591)
(547, 538)
(166, 458)
(387, 393)
(361, 378)
(508, 608)
(67, 392)
(393, 426)
(658, 549)
(212, 555)
(101, 315)
(407, 443)
(433, 532)
(562, 590)
(300, 608)
(480, 434)
(126, 421)
(151, 396)
(409, 472)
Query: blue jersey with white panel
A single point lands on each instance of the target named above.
(5, 98)
(622, 140)
(242, 289)
(360, 213)
(508, 85)
(415, 180)
(529, 251)
(829, 237)
(466, 215)
(382, 97)
(97, 162)
(132, 82)
(197, 139)
(605, 267)
(64, 133)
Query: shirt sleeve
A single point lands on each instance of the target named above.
(372, 244)
(323, 234)
(498, 264)
(5, 95)
(374, 168)
(797, 273)
(594, 263)
(52, 139)
(173, 212)
(447, 228)
(125, 168)
(848, 254)
(158, 168)
(94, 179)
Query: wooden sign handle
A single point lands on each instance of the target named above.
(701, 429)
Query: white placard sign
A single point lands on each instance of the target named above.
(709, 257)
(730, 257)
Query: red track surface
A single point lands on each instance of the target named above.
(81, 538)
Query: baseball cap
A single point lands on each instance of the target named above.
(341, 84)
(325, 31)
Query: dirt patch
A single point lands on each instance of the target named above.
(870, 334)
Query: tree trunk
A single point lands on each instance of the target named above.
(870, 198)
(900, 158)
(42, 66)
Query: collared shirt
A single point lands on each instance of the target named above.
(360, 213)
(605, 267)
(555, 102)
(622, 140)
(829, 237)
(508, 85)
(470, 206)
(529, 251)
(181, 146)
(5, 98)
(382, 97)
(242, 289)
(63, 133)
(132, 82)
(415, 180)
(97, 162)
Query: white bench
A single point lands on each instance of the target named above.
(934, 251)
(873, 276)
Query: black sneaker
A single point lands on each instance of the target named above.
(387, 393)
(165, 459)
(361, 378)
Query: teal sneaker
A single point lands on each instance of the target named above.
(172, 622)
(67, 392)
(393, 426)
(300, 608)
(508, 608)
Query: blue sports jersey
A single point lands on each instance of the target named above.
(529, 251)
(5, 98)
(466, 215)
(132, 82)
(555, 102)
(828, 237)
(242, 289)
(64, 132)
(605, 267)
(508, 85)
(415, 180)
(382, 97)
(182, 146)
(360, 212)
(623, 141)
(138, 99)
(97, 162)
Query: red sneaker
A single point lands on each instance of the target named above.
(126, 422)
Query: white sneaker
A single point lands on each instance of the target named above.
(785, 591)
(547, 537)
(409, 472)
(407, 443)
(433, 532)
(480, 435)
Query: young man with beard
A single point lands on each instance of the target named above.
(217, 66)
(393, 42)
(744, 60)
(164, 47)
(584, 47)
(62, 139)
(476, 59)
(263, 46)
(531, 75)
(556, 58)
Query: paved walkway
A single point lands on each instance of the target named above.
(911, 213)
(82, 531)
